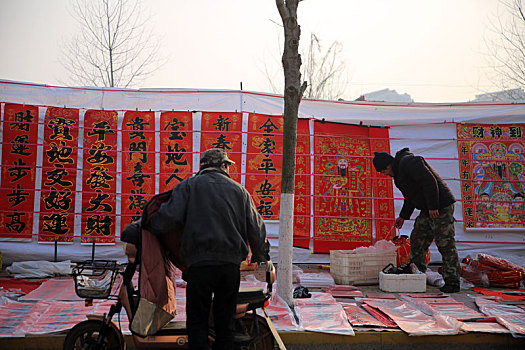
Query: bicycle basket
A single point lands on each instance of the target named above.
(94, 278)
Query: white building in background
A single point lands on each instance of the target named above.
(504, 95)
(386, 95)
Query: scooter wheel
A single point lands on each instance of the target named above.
(85, 334)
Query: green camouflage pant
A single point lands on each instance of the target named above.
(441, 230)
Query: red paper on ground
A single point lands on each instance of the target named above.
(16, 284)
(99, 177)
(59, 175)
(176, 148)
(359, 317)
(138, 164)
(19, 153)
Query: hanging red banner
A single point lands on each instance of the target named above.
(383, 193)
(343, 187)
(19, 153)
(138, 164)
(264, 161)
(302, 196)
(59, 175)
(224, 130)
(176, 148)
(492, 173)
(99, 177)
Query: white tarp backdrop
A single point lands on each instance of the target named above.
(427, 129)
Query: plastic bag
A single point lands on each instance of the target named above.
(434, 278)
(403, 250)
(39, 269)
(382, 246)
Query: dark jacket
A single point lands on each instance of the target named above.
(421, 186)
(217, 218)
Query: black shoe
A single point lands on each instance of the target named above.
(447, 288)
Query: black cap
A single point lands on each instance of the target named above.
(382, 160)
(215, 157)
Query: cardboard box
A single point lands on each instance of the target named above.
(403, 283)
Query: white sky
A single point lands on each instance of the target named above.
(432, 50)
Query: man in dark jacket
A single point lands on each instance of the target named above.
(425, 190)
(218, 220)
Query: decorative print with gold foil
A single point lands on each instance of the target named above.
(343, 187)
(19, 146)
(492, 173)
(99, 177)
(138, 164)
(264, 161)
(302, 193)
(176, 148)
(224, 130)
(59, 175)
(382, 188)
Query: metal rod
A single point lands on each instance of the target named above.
(93, 250)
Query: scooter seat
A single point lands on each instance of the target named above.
(250, 295)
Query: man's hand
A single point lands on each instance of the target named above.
(399, 222)
(433, 213)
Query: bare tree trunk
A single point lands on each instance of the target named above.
(292, 97)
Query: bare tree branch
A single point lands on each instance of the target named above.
(507, 52)
(324, 70)
(114, 47)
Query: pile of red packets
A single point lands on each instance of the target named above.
(488, 271)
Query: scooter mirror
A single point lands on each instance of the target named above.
(271, 274)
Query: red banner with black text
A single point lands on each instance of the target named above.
(59, 175)
(224, 130)
(19, 155)
(138, 164)
(96, 171)
(99, 177)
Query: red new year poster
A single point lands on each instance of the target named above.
(383, 193)
(492, 173)
(176, 148)
(19, 153)
(59, 175)
(138, 164)
(224, 130)
(302, 193)
(99, 176)
(342, 187)
(264, 161)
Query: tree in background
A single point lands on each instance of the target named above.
(293, 92)
(324, 70)
(114, 47)
(507, 51)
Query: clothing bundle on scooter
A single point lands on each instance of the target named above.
(157, 303)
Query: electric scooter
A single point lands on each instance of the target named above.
(95, 279)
